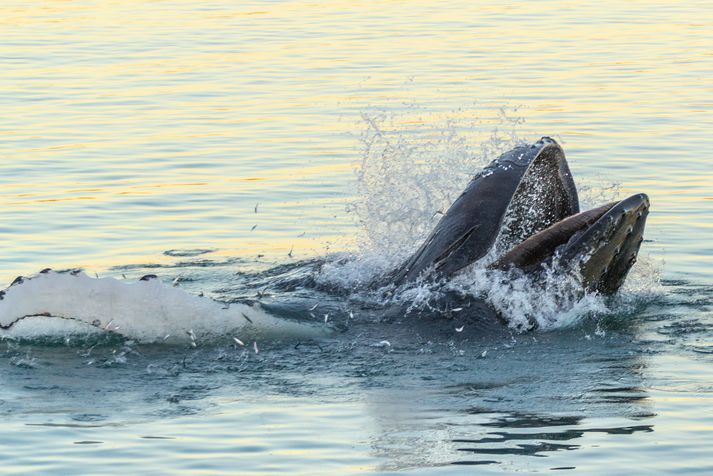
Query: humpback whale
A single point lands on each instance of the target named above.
(522, 211)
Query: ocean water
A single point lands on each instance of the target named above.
(267, 160)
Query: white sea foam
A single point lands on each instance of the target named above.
(146, 311)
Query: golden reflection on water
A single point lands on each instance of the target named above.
(131, 127)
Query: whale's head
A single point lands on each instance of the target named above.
(522, 211)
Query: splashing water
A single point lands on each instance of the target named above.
(407, 180)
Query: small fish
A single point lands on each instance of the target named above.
(108, 324)
(485, 352)
(260, 256)
(314, 307)
(123, 275)
(200, 294)
(351, 315)
(384, 343)
(238, 341)
(326, 318)
(175, 281)
(302, 234)
(457, 309)
(255, 347)
(247, 318)
(460, 329)
(166, 337)
(290, 253)
(254, 226)
(256, 205)
(96, 275)
(313, 316)
(193, 344)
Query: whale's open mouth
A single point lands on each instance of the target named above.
(522, 211)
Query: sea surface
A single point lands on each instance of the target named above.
(266, 161)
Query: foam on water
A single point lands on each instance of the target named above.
(58, 304)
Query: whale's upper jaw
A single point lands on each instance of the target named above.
(606, 251)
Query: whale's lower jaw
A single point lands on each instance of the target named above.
(607, 250)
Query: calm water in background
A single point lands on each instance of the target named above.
(131, 129)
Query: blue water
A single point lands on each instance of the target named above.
(241, 152)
